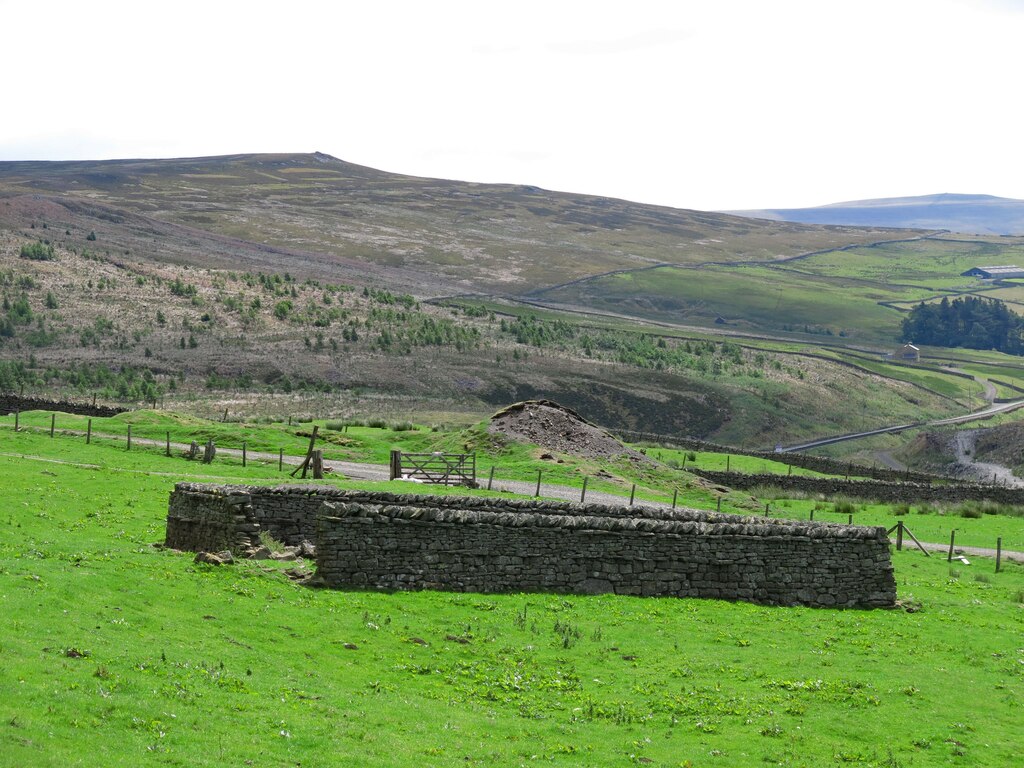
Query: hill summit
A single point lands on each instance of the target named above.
(974, 214)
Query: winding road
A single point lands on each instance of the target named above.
(984, 413)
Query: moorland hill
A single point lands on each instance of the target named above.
(316, 216)
(977, 214)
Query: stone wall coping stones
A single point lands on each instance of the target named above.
(562, 509)
(734, 526)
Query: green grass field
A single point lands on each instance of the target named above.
(850, 292)
(511, 461)
(774, 299)
(114, 652)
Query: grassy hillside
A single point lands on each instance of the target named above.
(133, 329)
(859, 294)
(287, 283)
(120, 653)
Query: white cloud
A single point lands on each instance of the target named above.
(697, 104)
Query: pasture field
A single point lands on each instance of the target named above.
(657, 481)
(932, 263)
(928, 522)
(1012, 293)
(720, 462)
(512, 461)
(774, 299)
(840, 292)
(114, 652)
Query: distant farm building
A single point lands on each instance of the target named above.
(908, 352)
(1005, 272)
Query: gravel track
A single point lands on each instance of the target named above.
(379, 472)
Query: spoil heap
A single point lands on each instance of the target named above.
(557, 429)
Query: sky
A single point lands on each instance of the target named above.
(707, 104)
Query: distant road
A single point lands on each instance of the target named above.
(984, 413)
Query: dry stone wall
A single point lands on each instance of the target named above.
(11, 403)
(804, 460)
(877, 490)
(373, 540)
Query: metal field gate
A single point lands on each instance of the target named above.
(435, 468)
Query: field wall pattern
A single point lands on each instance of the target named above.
(877, 490)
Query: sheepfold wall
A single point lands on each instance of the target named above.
(371, 540)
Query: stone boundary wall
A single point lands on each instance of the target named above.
(876, 490)
(11, 403)
(821, 464)
(375, 540)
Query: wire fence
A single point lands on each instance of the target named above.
(580, 489)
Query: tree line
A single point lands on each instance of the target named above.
(967, 321)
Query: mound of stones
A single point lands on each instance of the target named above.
(305, 550)
(558, 429)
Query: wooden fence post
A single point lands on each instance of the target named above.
(999, 552)
(811, 518)
(490, 478)
(675, 495)
(280, 459)
(53, 422)
(88, 432)
(718, 507)
(395, 465)
(583, 493)
(766, 505)
(167, 450)
(129, 438)
(317, 463)
(632, 493)
(952, 538)
(728, 463)
(243, 453)
(304, 466)
(899, 536)
(17, 418)
(537, 493)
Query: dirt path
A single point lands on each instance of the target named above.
(990, 393)
(379, 472)
(1009, 555)
(963, 444)
(888, 460)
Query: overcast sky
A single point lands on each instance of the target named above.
(711, 104)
